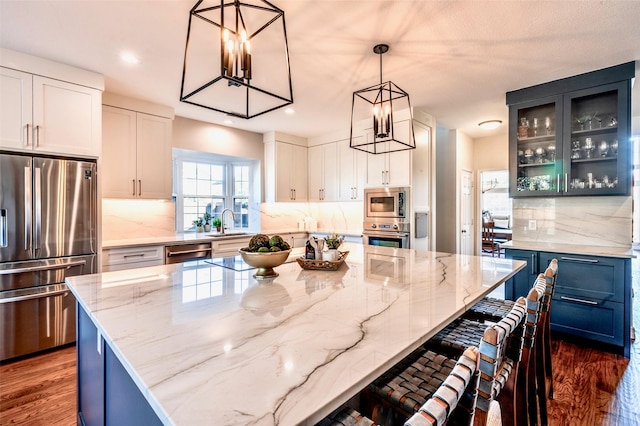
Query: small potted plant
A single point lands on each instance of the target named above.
(198, 224)
(207, 217)
(217, 223)
(333, 241)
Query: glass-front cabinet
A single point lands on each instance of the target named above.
(534, 156)
(575, 142)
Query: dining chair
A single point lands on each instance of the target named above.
(489, 244)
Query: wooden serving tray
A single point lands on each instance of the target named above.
(323, 265)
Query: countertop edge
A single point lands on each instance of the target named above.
(617, 252)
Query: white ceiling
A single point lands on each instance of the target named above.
(456, 59)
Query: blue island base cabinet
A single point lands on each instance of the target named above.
(592, 297)
(106, 393)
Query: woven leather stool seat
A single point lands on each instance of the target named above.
(460, 334)
(345, 416)
(407, 387)
(490, 308)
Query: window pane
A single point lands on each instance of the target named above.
(189, 186)
(204, 171)
(188, 170)
(241, 210)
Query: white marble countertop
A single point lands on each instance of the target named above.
(178, 238)
(625, 253)
(204, 342)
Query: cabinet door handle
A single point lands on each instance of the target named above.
(579, 259)
(294, 193)
(572, 299)
(565, 182)
(139, 187)
(133, 181)
(558, 187)
(36, 139)
(533, 263)
(387, 172)
(28, 131)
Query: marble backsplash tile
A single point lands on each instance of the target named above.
(597, 221)
(341, 217)
(123, 219)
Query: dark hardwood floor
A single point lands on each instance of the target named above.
(592, 387)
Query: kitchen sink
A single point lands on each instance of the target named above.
(228, 234)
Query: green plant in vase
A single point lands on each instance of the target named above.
(217, 223)
(199, 224)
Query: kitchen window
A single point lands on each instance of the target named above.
(210, 184)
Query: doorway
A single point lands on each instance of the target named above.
(495, 204)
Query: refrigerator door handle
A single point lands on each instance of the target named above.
(27, 208)
(3, 228)
(65, 265)
(37, 207)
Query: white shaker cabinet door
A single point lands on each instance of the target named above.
(119, 178)
(67, 118)
(15, 109)
(153, 164)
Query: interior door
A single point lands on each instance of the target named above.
(466, 213)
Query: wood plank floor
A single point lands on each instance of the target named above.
(592, 387)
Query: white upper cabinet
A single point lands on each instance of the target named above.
(392, 169)
(352, 167)
(49, 116)
(285, 172)
(136, 154)
(323, 172)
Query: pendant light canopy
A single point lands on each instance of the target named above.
(373, 129)
(236, 58)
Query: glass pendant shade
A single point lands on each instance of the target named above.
(373, 128)
(236, 58)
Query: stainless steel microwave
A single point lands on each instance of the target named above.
(386, 203)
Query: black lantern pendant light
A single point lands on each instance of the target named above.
(236, 58)
(372, 116)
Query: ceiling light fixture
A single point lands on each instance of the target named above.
(130, 58)
(372, 110)
(236, 58)
(290, 111)
(490, 124)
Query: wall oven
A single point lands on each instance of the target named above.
(386, 239)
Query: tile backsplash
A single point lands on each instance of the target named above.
(341, 217)
(598, 221)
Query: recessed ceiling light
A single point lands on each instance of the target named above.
(227, 121)
(130, 58)
(490, 124)
(290, 111)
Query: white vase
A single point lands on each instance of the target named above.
(330, 255)
(207, 228)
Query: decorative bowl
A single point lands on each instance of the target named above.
(265, 262)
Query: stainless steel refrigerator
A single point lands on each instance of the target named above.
(47, 232)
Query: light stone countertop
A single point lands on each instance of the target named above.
(204, 342)
(619, 252)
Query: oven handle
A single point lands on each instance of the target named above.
(65, 265)
(386, 234)
(176, 253)
(35, 296)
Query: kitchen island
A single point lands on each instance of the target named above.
(200, 344)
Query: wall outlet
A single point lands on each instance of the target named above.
(533, 225)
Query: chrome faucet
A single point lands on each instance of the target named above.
(233, 216)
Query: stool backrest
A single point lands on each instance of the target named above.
(550, 276)
(534, 306)
(500, 352)
(455, 399)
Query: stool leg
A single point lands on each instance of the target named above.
(547, 353)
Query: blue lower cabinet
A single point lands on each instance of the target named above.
(521, 283)
(107, 395)
(592, 298)
(125, 405)
(598, 320)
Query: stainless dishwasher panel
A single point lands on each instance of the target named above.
(185, 252)
(35, 319)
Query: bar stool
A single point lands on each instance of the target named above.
(453, 402)
(501, 352)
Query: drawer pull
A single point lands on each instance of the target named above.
(134, 255)
(175, 253)
(578, 259)
(571, 299)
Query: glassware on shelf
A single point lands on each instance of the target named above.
(603, 148)
(614, 147)
(528, 154)
(535, 127)
(598, 119)
(547, 125)
(613, 122)
(540, 155)
(581, 121)
(523, 128)
(575, 150)
(588, 146)
(551, 149)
